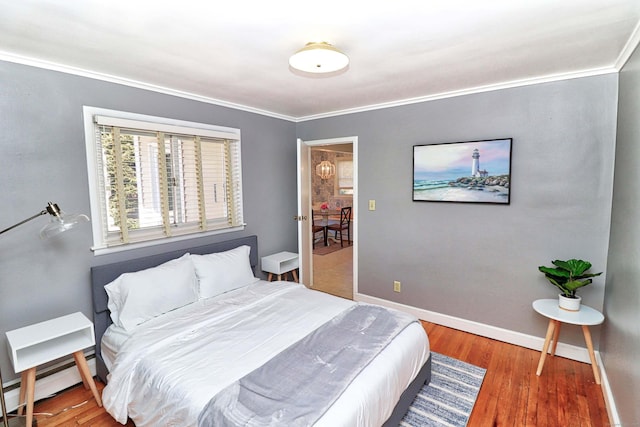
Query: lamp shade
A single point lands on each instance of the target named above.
(60, 222)
(319, 58)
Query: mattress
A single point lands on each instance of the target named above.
(166, 371)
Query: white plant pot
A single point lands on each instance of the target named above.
(569, 304)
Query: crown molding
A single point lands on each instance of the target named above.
(628, 49)
(9, 57)
(462, 92)
(622, 58)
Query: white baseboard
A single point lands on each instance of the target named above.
(572, 352)
(612, 411)
(51, 384)
(523, 340)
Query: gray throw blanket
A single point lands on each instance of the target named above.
(296, 387)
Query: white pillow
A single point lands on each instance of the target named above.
(223, 271)
(137, 297)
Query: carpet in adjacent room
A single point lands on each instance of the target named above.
(449, 398)
(320, 249)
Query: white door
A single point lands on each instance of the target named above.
(304, 212)
(305, 244)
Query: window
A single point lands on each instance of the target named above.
(344, 173)
(154, 179)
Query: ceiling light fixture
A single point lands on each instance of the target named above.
(319, 58)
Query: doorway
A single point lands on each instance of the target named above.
(331, 268)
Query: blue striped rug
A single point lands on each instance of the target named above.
(449, 397)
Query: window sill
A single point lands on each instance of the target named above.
(97, 251)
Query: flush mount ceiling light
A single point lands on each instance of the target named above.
(319, 58)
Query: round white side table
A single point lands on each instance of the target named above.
(584, 317)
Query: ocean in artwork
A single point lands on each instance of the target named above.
(441, 191)
(453, 172)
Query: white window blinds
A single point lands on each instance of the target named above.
(158, 180)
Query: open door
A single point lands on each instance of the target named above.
(304, 213)
(305, 245)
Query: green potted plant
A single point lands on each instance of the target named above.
(569, 276)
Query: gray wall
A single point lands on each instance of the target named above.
(479, 262)
(42, 158)
(620, 345)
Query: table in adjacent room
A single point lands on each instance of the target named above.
(326, 215)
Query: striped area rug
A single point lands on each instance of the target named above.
(449, 397)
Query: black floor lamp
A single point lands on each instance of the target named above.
(60, 222)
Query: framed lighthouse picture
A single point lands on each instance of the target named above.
(463, 172)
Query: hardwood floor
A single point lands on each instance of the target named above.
(565, 395)
(74, 407)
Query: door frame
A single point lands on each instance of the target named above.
(305, 245)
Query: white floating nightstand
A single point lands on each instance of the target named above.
(280, 264)
(43, 342)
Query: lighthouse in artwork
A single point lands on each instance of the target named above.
(475, 165)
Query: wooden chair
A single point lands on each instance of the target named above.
(316, 229)
(344, 224)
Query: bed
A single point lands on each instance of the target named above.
(168, 356)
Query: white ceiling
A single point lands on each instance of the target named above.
(236, 52)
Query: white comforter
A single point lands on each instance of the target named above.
(171, 366)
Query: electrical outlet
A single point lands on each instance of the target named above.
(372, 205)
(396, 286)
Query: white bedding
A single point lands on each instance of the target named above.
(170, 367)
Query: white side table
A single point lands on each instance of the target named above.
(46, 341)
(280, 264)
(584, 317)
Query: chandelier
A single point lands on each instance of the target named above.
(325, 169)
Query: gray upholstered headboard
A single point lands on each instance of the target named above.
(104, 274)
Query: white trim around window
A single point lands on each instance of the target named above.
(162, 179)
